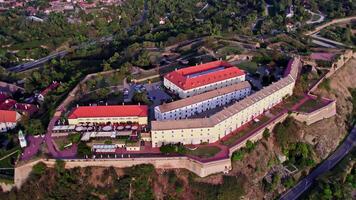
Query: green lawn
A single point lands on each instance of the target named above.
(204, 151)
(311, 105)
(248, 66)
(243, 132)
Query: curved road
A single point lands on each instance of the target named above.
(348, 144)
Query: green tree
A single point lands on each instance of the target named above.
(266, 134)
(39, 168)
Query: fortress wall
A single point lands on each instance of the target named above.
(317, 115)
(342, 60)
(22, 172)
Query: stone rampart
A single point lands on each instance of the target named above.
(200, 168)
(322, 113)
(341, 61)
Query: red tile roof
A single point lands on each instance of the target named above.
(109, 111)
(7, 116)
(24, 108)
(7, 104)
(181, 79)
(51, 87)
(3, 97)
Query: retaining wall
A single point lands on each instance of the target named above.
(200, 168)
(317, 115)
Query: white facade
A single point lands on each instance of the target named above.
(198, 90)
(201, 106)
(5, 126)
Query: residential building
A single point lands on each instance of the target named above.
(213, 128)
(8, 120)
(109, 114)
(190, 106)
(198, 79)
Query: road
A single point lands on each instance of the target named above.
(38, 62)
(348, 144)
(30, 65)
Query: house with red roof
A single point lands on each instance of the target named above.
(8, 104)
(26, 109)
(109, 114)
(8, 120)
(41, 96)
(198, 79)
(3, 97)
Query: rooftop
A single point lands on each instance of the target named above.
(8, 116)
(204, 74)
(109, 111)
(203, 97)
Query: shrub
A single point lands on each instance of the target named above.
(74, 138)
(266, 134)
(172, 148)
(250, 146)
(39, 168)
(83, 150)
(238, 155)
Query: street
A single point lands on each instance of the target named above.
(325, 166)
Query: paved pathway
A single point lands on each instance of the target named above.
(34, 144)
(348, 144)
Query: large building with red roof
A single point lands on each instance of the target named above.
(198, 79)
(8, 119)
(111, 113)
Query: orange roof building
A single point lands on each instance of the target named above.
(8, 119)
(198, 79)
(111, 113)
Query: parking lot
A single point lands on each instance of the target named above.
(155, 93)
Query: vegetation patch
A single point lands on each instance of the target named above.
(311, 105)
(204, 151)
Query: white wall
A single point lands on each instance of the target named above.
(193, 109)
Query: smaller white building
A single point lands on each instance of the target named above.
(22, 139)
(8, 120)
(202, 78)
(190, 106)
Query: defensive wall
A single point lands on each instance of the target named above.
(200, 168)
(329, 109)
(322, 113)
(335, 66)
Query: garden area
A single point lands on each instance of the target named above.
(311, 105)
(203, 151)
